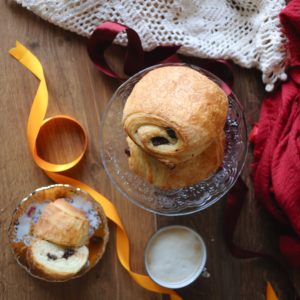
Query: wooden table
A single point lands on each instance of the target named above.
(78, 89)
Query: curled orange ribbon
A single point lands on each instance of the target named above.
(36, 121)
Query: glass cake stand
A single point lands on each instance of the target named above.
(173, 202)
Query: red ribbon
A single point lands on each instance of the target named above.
(135, 57)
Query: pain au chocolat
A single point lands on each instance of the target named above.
(55, 261)
(174, 119)
(174, 113)
(62, 224)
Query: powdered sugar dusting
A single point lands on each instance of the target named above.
(88, 208)
(23, 224)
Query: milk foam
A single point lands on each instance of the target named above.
(174, 255)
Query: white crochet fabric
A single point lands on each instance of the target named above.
(246, 31)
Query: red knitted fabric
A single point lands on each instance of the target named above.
(277, 144)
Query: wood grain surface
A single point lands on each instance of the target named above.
(76, 88)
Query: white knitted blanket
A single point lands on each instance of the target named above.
(246, 31)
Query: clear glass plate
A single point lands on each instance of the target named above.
(173, 202)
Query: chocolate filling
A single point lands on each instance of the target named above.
(68, 252)
(171, 133)
(51, 256)
(127, 152)
(159, 140)
(96, 239)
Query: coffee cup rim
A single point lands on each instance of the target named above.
(190, 279)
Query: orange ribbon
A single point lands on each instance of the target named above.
(36, 121)
(270, 294)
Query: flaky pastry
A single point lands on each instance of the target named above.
(184, 174)
(174, 113)
(63, 224)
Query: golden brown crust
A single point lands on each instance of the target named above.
(177, 98)
(62, 224)
(69, 209)
(184, 174)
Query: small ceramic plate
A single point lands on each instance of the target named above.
(29, 210)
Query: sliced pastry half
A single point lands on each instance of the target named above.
(55, 261)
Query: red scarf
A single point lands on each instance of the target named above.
(276, 165)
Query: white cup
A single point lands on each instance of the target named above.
(175, 256)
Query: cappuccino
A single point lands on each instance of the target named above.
(175, 256)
